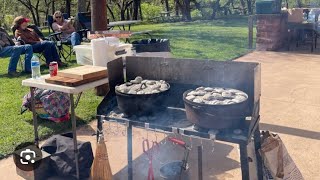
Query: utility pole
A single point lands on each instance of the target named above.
(98, 15)
(99, 23)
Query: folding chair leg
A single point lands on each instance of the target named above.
(21, 64)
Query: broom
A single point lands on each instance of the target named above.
(101, 169)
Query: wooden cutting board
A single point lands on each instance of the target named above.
(72, 82)
(83, 72)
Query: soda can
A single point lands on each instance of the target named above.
(53, 68)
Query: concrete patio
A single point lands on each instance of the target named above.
(290, 106)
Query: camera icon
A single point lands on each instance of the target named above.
(28, 155)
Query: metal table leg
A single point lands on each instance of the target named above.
(257, 146)
(244, 162)
(200, 175)
(74, 132)
(129, 151)
(35, 120)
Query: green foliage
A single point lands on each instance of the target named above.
(116, 13)
(196, 14)
(149, 10)
(7, 21)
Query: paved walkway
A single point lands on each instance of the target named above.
(290, 106)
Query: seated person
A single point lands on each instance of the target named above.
(67, 29)
(9, 49)
(29, 36)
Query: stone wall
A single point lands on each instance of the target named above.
(272, 31)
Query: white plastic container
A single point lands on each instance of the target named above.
(99, 52)
(83, 54)
(112, 41)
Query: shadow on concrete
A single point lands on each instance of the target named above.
(64, 127)
(214, 164)
(291, 131)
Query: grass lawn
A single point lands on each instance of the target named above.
(219, 40)
(222, 39)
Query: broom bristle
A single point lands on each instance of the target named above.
(101, 169)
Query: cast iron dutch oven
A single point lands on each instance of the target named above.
(215, 116)
(141, 104)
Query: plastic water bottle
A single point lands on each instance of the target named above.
(35, 67)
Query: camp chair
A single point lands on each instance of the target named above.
(65, 47)
(51, 37)
(84, 19)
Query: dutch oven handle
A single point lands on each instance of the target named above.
(198, 108)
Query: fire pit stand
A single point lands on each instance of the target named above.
(173, 118)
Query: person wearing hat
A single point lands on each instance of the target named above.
(68, 31)
(29, 36)
(8, 48)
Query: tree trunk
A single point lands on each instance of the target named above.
(128, 11)
(34, 18)
(88, 6)
(140, 10)
(187, 10)
(68, 7)
(82, 6)
(98, 15)
(249, 5)
(38, 18)
(34, 10)
(167, 6)
(122, 15)
(53, 8)
(298, 3)
(136, 5)
(243, 7)
(111, 13)
(215, 8)
(176, 7)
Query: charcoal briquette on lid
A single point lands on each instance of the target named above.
(216, 96)
(143, 86)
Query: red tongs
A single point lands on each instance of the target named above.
(149, 152)
(177, 141)
(186, 153)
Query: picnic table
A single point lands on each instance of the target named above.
(122, 24)
(165, 17)
(40, 83)
(165, 13)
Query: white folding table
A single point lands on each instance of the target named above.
(41, 84)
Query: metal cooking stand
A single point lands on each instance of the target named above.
(249, 132)
(150, 67)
